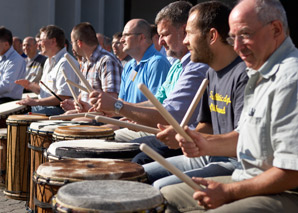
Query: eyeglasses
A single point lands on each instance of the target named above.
(129, 34)
(244, 38)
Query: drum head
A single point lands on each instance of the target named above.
(49, 126)
(88, 169)
(109, 195)
(25, 118)
(3, 133)
(93, 149)
(83, 130)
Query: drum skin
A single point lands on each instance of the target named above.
(16, 184)
(50, 176)
(82, 132)
(10, 108)
(108, 196)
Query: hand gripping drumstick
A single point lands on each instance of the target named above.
(78, 72)
(51, 91)
(194, 103)
(167, 116)
(138, 127)
(71, 90)
(157, 157)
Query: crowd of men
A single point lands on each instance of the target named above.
(243, 151)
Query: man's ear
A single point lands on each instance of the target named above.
(213, 36)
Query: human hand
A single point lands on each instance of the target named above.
(28, 101)
(167, 136)
(67, 104)
(214, 195)
(23, 82)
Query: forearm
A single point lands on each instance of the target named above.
(223, 144)
(148, 116)
(51, 101)
(204, 128)
(272, 181)
(34, 87)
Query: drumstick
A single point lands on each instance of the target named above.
(113, 121)
(71, 90)
(76, 85)
(194, 103)
(167, 116)
(174, 170)
(51, 91)
(70, 116)
(78, 72)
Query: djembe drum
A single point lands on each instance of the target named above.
(82, 132)
(92, 148)
(50, 176)
(108, 196)
(10, 108)
(17, 166)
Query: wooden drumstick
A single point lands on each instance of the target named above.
(69, 116)
(194, 103)
(71, 90)
(167, 116)
(76, 85)
(174, 170)
(78, 72)
(113, 121)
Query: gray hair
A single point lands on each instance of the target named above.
(176, 12)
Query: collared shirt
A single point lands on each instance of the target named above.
(103, 72)
(53, 76)
(180, 98)
(151, 71)
(34, 68)
(12, 67)
(168, 85)
(269, 120)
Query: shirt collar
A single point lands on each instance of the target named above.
(7, 54)
(149, 52)
(185, 59)
(58, 56)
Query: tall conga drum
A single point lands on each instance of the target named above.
(17, 166)
(92, 148)
(10, 108)
(82, 132)
(108, 196)
(3, 143)
(50, 176)
(41, 136)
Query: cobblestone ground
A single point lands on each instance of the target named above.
(11, 205)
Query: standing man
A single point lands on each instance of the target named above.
(18, 46)
(34, 61)
(12, 67)
(52, 41)
(101, 68)
(117, 47)
(265, 142)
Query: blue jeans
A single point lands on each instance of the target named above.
(194, 167)
(48, 110)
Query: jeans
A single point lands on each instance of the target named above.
(194, 167)
(48, 110)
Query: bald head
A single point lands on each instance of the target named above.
(140, 26)
(30, 47)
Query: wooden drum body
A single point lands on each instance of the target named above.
(92, 148)
(108, 196)
(50, 176)
(83, 132)
(41, 136)
(3, 144)
(17, 166)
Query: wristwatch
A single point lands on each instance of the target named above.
(118, 106)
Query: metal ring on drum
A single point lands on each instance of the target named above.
(50, 176)
(93, 148)
(108, 196)
(82, 132)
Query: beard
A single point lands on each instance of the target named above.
(202, 53)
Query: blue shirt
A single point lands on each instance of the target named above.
(12, 67)
(151, 71)
(180, 98)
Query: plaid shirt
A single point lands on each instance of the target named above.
(103, 72)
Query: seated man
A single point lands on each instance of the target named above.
(12, 67)
(52, 45)
(266, 176)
